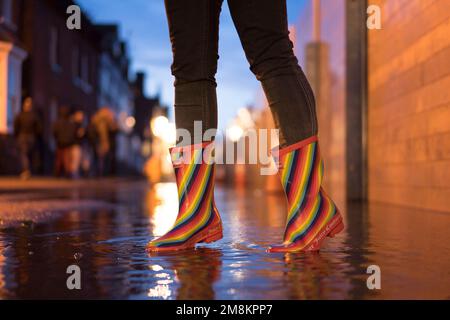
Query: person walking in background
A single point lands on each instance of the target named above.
(105, 127)
(64, 132)
(77, 154)
(91, 145)
(113, 132)
(27, 129)
(263, 31)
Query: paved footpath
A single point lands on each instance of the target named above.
(42, 199)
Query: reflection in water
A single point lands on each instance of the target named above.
(109, 246)
(195, 273)
(190, 273)
(162, 289)
(315, 276)
(163, 203)
(2, 266)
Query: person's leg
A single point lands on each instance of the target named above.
(24, 150)
(68, 161)
(85, 160)
(194, 33)
(75, 160)
(312, 215)
(100, 164)
(59, 163)
(194, 30)
(263, 30)
(25, 165)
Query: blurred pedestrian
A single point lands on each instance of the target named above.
(113, 131)
(105, 126)
(64, 132)
(91, 146)
(27, 129)
(77, 150)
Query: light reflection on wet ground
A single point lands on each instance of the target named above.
(411, 247)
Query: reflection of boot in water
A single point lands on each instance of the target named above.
(305, 275)
(195, 272)
(197, 276)
(198, 219)
(312, 215)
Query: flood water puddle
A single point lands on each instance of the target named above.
(107, 241)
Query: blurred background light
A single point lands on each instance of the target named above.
(235, 132)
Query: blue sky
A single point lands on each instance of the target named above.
(143, 25)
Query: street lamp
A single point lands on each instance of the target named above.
(159, 126)
(159, 164)
(235, 133)
(130, 122)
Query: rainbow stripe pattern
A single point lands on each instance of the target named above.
(310, 209)
(197, 214)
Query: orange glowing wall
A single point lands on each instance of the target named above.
(409, 104)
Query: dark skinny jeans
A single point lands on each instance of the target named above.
(263, 30)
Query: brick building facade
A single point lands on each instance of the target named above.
(12, 55)
(82, 69)
(61, 68)
(409, 105)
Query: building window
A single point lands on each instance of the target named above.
(92, 66)
(85, 68)
(76, 62)
(11, 59)
(55, 53)
(13, 100)
(6, 13)
(81, 69)
(53, 116)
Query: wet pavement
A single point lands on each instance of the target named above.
(103, 227)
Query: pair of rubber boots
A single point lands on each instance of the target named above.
(312, 215)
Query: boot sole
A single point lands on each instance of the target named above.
(331, 229)
(212, 234)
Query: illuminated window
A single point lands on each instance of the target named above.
(55, 54)
(85, 68)
(11, 59)
(6, 12)
(76, 65)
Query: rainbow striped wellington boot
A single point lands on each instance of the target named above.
(312, 215)
(198, 219)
